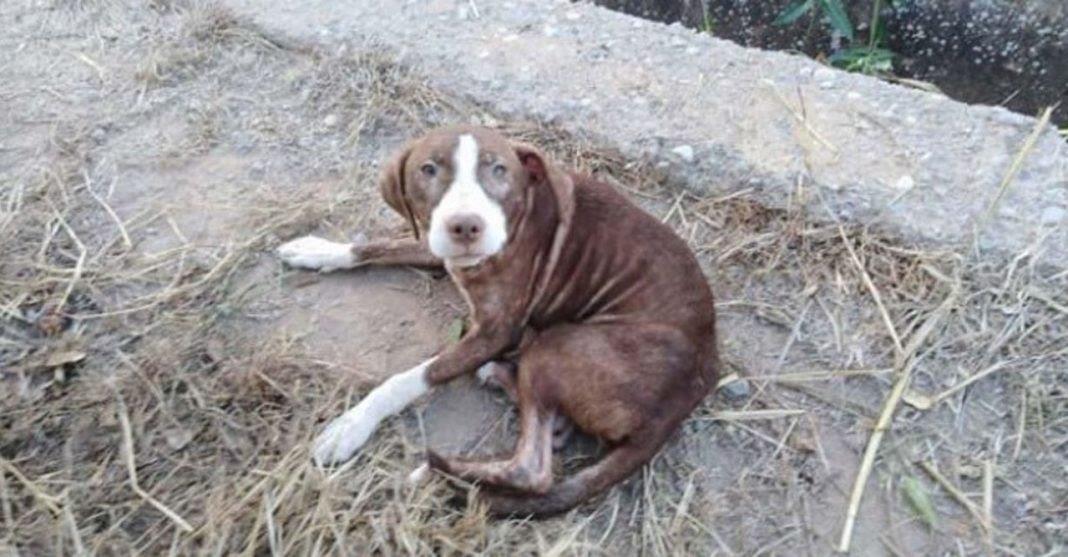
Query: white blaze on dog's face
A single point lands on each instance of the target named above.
(466, 190)
(467, 225)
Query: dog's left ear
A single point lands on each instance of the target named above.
(391, 184)
(541, 172)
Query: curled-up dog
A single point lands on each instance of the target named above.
(584, 309)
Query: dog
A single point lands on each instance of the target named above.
(604, 311)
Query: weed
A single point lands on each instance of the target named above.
(708, 25)
(872, 58)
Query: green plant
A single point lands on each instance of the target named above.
(708, 25)
(834, 10)
(864, 59)
(871, 58)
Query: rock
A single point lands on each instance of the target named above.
(904, 183)
(735, 390)
(684, 152)
(330, 120)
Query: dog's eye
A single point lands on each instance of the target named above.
(429, 170)
(499, 170)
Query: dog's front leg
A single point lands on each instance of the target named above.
(347, 433)
(485, 342)
(318, 254)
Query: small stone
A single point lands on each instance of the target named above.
(684, 152)
(572, 16)
(177, 439)
(691, 50)
(1052, 215)
(330, 120)
(735, 390)
(905, 183)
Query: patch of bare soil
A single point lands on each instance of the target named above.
(161, 374)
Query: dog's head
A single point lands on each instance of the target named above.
(467, 188)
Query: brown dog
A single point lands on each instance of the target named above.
(603, 308)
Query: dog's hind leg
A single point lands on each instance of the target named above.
(499, 374)
(530, 467)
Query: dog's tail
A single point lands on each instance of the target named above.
(615, 466)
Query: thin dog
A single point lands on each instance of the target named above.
(582, 306)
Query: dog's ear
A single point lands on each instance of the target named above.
(394, 192)
(541, 172)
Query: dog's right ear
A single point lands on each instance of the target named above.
(391, 184)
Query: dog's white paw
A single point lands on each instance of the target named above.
(346, 434)
(313, 252)
(485, 374)
(342, 438)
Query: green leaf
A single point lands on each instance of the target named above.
(791, 13)
(863, 59)
(836, 13)
(456, 330)
(917, 498)
(708, 25)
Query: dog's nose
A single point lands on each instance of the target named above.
(465, 229)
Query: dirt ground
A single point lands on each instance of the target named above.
(162, 375)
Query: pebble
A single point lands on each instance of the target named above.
(735, 390)
(330, 120)
(905, 183)
(684, 152)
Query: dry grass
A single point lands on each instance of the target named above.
(142, 411)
